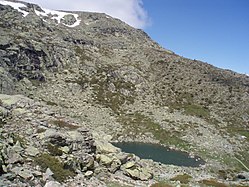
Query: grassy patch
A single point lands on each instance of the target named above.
(40, 130)
(54, 150)
(161, 184)
(47, 161)
(64, 124)
(82, 54)
(51, 103)
(192, 109)
(213, 183)
(139, 123)
(184, 179)
(100, 84)
(196, 110)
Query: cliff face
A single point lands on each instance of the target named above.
(115, 81)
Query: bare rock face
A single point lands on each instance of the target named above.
(69, 19)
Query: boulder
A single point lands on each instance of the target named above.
(26, 174)
(32, 151)
(105, 147)
(68, 19)
(14, 158)
(52, 184)
(104, 160)
(10, 100)
(55, 137)
(17, 147)
(89, 174)
(22, 172)
(124, 157)
(129, 165)
(243, 176)
(115, 165)
(138, 174)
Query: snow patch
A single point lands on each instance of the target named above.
(58, 15)
(16, 6)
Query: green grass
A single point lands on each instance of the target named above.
(47, 161)
(102, 95)
(161, 184)
(184, 179)
(54, 150)
(196, 110)
(82, 54)
(51, 103)
(213, 183)
(40, 130)
(64, 124)
(139, 123)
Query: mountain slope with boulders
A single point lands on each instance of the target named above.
(73, 82)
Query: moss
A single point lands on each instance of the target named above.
(51, 103)
(54, 150)
(161, 184)
(113, 100)
(184, 179)
(82, 54)
(139, 123)
(47, 161)
(64, 124)
(40, 130)
(213, 183)
(196, 110)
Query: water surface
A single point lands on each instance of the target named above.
(160, 153)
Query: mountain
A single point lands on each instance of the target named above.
(72, 82)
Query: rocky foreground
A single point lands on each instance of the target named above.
(72, 82)
(42, 148)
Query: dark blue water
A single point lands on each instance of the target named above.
(160, 154)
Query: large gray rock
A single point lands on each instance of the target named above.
(52, 184)
(115, 165)
(105, 147)
(89, 174)
(32, 151)
(14, 158)
(104, 160)
(23, 172)
(138, 174)
(68, 19)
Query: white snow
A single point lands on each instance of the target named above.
(57, 15)
(16, 6)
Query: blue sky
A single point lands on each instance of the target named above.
(213, 31)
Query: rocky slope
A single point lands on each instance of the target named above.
(86, 79)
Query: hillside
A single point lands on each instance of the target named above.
(68, 76)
